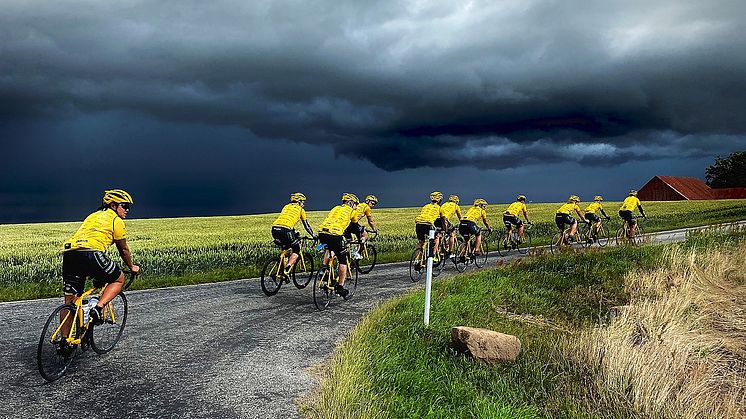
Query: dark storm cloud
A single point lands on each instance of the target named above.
(401, 84)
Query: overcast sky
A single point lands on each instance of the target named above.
(225, 107)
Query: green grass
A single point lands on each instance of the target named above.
(391, 366)
(175, 251)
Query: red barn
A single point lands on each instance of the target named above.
(679, 188)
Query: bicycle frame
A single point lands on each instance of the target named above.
(77, 320)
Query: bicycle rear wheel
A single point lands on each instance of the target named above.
(602, 236)
(270, 280)
(416, 265)
(621, 237)
(481, 260)
(322, 295)
(54, 354)
(461, 257)
(351, 280)
(303, 271)
(556, 243)
(106, 335)
(525, 245)
(370, 257)
(442, 257)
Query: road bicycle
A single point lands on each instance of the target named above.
(57, 349)
(595, 235)
(466, 251)
(623, 236)
(327, 278)
(510, 240)
(418, 261)
(560, 241)
(273, 272)
(368, 252)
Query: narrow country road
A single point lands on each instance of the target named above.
(215, 350)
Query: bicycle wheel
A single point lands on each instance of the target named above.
(303, 271)
(503, 243)
(54, 354)
(481, 260)
(105, 336)
(602, 236)
(461, 258)
(351, 280)
(442, 256)
(621, 237)
(555, 244)
(416, 265)
(640, 235)
(525, 245)
(370, 257)
(270, 281)
(322, 294)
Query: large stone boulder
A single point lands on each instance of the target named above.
(485, 345)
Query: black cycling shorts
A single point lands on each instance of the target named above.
(592, 217)
(563, 219)
(628, 216)
(439, 225)
(335, 244)
(78, 265)
(511, 219)
(422, 230)
(468, 228)
(286, 238)
(354, 228)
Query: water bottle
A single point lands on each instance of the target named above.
(91, 305)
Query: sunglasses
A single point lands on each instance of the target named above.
(125, 206)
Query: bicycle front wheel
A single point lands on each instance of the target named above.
(271, 280)
(54, 354)
(323, 291)
(303, 270)
(525, 245)
(370, 257)
(416, 265)
(105, 336)
(602, 236)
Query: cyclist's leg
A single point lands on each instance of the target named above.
(73, 283)
(104, 271)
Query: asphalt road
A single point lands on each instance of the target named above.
(214, 350)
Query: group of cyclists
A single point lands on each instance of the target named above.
(85, 252)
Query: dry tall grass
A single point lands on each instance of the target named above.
(679, 348)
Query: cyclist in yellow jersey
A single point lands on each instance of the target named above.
(590, 214)
(563, 217)
(84, 254)
(364, 209)
(446, 211)
(468, 225)
(283, 229)
(426, 221)
(510, 216)
(331, 233)
(630, 204)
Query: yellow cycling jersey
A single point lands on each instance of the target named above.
(449, 208)
(630, 204)
(593, 208)
(475, 214)
(290, 215)
(338, 220)
(363, 209)
(515, 209)
(568, 208)
(428, 214)
(98, 232)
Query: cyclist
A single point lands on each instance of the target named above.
(84, 254)
(364, 209)
(591, 217)
(426, 221)
(510, 216)
(563, 216)
(468, 225)
(446, 211)
(331, 233)
(630, 204)
(283, 229)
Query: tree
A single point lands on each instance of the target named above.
(729, 172)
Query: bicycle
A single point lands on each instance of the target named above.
(418, 261)
(56, 351)
(326, 279)
(560, 241)
(368, 252)
(273, 272)
(623, 237)
(510, 240)
(592, 235)
(466, 251)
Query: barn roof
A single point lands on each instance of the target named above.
(689, 187)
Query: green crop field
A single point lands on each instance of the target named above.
(174, 251)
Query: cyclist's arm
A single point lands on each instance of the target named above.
(604, 213)
(581, 215)
(370, 222)
(639, 207)
(486, 224)
(308, 228)
(458, 214)
(525, 215)
(126, 255)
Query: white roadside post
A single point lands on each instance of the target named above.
(429, 276)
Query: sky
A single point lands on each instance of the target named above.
(226, 107)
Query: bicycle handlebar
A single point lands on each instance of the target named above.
(130, 278)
